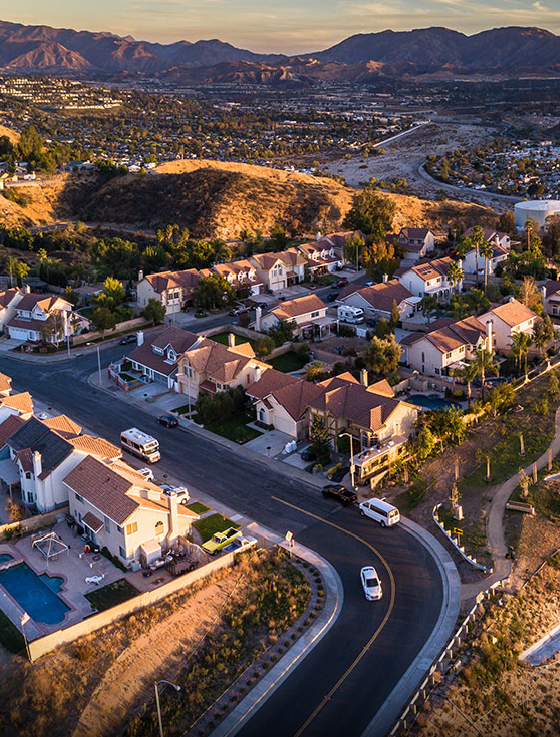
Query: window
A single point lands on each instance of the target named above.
(79, 498)
(106, 523)
(448, 355)
(423, 359)
(122, 552)
(262, 415)
(436, 370)
(120, 529)
(462, 349)
(28, 475)
(131, 527)
(159, 527)
(315, 314)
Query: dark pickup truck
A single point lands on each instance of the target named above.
(337, 491)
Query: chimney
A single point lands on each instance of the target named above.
(460, 263)
(26, 289)
(173, 532)
(489, 327)
(385, 278)
(258, 373)
(364, 377)
(140, 274)
(140, 338)
(231, 340)
(258, 314)
(543, 292)
(318, 235)
(37, 464)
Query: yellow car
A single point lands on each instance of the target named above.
(219, 540)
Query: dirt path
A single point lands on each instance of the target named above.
(153, 654)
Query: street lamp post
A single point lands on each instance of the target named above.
(156, 684)
(352, 466)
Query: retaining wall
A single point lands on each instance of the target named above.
(43, 645)
(137, 322)
(31, 524)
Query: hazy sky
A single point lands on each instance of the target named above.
(269, 25)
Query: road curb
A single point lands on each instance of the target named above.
(264, 689)
(439, 637)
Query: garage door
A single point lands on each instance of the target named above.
(18, 333)
(160, 378)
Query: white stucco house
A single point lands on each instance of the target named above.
(429, 278)
(507, 319)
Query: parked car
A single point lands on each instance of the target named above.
(340, 492)
(237, 310)
(168, 420)
(381, 511)
(342, 282)
(307, 454)
(220, 540)
(183, 494)
(332, 297)
(128, 340)
(147, 473)
(262, 305)
(371, 583)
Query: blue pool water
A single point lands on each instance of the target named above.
(430, 401)
(35, 594)
(5, 557)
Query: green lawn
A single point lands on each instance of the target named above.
(112, 594)
(213, 523)
(288, 362)
(198, 507)
(10, 637)
(183, 409)
(233, 428)
(239, 339)
(326, 280)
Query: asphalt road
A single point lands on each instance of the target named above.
(361, 659)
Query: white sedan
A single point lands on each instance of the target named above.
(370, 583)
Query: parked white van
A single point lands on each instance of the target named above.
(348, 313)
(380, 511)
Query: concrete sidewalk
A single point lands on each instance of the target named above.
(495, 530)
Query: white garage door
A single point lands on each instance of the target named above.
(18, 333)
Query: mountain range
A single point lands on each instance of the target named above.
(428, 51)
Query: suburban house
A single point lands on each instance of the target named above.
(378, 299)
(551, 298)
(123, 512)
(280, 270)
(492, 236)
(505, 320)
(157, 354)
(448, 344)
(173, 289)
(418, 242)
(309, 314)
(469, 261)
(44, 455)
(210, 367)
(321, 257)
(9, 298)
(20, 405)
(240, 274)
(428, 278)
(371, 414)
(281, 400)
(5, 385)
(44, 317)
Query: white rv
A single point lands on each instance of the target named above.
(348, 313)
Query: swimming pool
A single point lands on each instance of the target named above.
(5, 557)
(35, 594)
(431, 401)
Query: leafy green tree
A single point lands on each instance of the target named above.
(520, 344)
(316, 372)
(282, 332)
(265, 346)
(468, 374)
(382, 329)
(113, 293)
(447, 425)
(103, 319)
(382, 355)
(506, 223)
(554, 386)
(425, 443)
(154, 311)
(320, 439)
(395, 316)
(543, 334)
(530, 295)
(214, 292)
(501, 398)
(278, 238)
(370, 209)
(428, 304)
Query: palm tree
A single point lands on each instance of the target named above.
(486, 250)
(520, 344)
(477, 240)
(429, 303)
(11, 267)
(468, 374)
(464, 245)
(455, 275)
(485, 362)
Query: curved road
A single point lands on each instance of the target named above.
(354, 668)
(478, 193)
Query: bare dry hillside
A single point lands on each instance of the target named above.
(12, 134)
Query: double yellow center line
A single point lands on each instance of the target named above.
(377, 631)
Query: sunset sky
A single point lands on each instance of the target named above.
(267, 25)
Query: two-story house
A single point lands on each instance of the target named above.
(44, 317)
(492, 236)
(240, 274)
(157, 354)
(173, 289)
(321, 256)
(9, 298)
(20, 405)
(505, 320)
(429, 278)
(122, 511)
(279, 270)
(551, 298)
(378, 299)
(488, 264)
(210, 367)
(448, 344)
(308, 313)
(418, 242)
